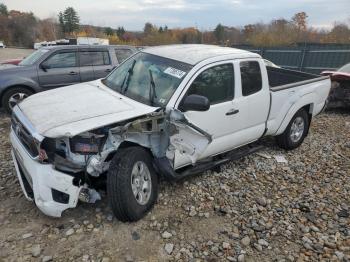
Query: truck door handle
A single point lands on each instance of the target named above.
(108, 70)
(232, 112)
(73, 73)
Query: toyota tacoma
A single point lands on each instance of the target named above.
(165, 113)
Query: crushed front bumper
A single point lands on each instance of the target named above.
(52, 191)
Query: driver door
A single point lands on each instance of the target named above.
(61, 69)
(217, 83)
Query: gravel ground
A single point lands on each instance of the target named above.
(254, 209)
(13, 53)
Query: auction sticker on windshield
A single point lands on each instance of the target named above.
(174, 72)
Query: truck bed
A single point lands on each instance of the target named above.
(280, 78)
(291, 90)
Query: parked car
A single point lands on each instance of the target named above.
(11, 61)
(2, 45)
(166, 112)
(340, 91)
(52, 67)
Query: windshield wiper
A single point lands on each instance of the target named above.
(127, 78)
(152, 88)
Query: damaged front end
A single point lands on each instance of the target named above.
(88, 155)
(71, 168)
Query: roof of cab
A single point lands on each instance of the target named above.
(195, 53)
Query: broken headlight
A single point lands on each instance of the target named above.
(87, 143)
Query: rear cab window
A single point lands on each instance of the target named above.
(251, 78)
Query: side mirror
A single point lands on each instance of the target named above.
(195, 103)
(44, 66)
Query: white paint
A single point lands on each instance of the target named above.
(71, 110)
(195, 53)
(75, 109)
(44, 178)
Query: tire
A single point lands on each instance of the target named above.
(289, 139)
(126, 205)
(18, 93)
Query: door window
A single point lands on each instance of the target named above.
(123, 54)
(215, 83)
(250, 77)
(62, 60)
(94, 58)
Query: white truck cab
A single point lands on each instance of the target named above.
(168, 111)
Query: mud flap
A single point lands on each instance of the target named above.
(188, 140)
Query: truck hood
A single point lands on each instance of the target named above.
(71, 110)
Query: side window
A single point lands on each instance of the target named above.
(62, 60)
(250, 77)
(215, 83)
(123, 54)
(89, 58)
(85, 58)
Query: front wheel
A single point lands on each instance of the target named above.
(295, 132)
(132, 184)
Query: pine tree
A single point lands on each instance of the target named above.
(120, 32)
(69, 20)
(3, 9)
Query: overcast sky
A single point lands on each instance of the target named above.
(203, 14)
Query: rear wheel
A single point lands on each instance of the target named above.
(132, 184)
(13, 96)
(295, 132)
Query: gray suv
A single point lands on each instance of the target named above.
(57, 66)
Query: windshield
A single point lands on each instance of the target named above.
(33, 57)
(345, 68)
(148, 79)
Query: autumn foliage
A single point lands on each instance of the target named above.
(23, 29)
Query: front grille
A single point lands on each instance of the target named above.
(24, 136)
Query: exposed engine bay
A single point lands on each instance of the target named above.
(87, 156)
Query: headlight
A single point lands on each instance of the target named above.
(87, 143)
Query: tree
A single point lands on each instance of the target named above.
(22, 29)
(340, 33)
(120, 32)
(148, 28)
(47, 29)
(109, 31)
(300, 21)
(161, 30)
(219, 33)
(3, 9)
(69, 20)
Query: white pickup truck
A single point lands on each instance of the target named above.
(166, 112)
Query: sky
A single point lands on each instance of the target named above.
(203, 14)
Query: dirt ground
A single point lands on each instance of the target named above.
(254, 209)
(13, 53)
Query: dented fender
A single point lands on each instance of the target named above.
(161, 132)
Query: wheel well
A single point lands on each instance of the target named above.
(308, 108)
(126, 144)
(15, 86)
